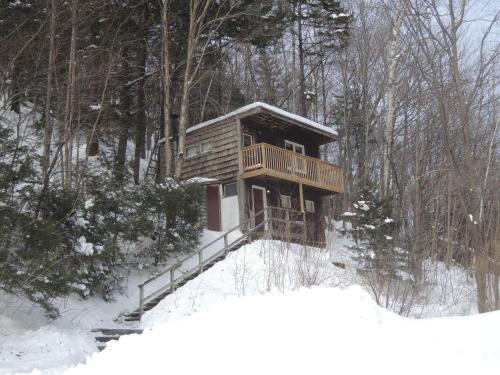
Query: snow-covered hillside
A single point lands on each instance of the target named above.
(309, 331)
(211, 315)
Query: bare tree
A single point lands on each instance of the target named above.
(199, 24)
(391, 91)
(166, 83)
(47, 138)
(456, 91)
(65, 131)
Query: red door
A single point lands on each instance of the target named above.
(213, 208)
(258, 205)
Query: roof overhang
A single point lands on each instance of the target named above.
(328, 134)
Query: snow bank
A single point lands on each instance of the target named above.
(29, 340)
(263, 268)
(258, 268)
(309, 331)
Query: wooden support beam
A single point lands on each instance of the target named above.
(301, 191)
(241, 183)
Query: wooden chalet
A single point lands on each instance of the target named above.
(263, 166)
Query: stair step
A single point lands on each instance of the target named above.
(112, 334)
(193, 273)
(106, 338)
(118, 331)
(131, 319)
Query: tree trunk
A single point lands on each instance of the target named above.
(391, 90)
(363, 159)
(183, 119)
(197, 13)
(121, 153)
(166, 83)
(65, 131)
(302, 105)
(47, 136)
(15, 96)
(140, 125)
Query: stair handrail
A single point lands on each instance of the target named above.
(180, 262)
(172, 268)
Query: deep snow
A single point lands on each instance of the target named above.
(309, 331)
(207, 316)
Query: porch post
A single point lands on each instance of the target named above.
(302, 209)
(241, 182)
(301, 192)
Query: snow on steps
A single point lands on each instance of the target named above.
(196, 263)
(112, 334)
(187, 276)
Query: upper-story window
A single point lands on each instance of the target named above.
(205, 147)
(247, 140)
(194, 150)
(191, 151)
(295, 147)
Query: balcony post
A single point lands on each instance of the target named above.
(263, 155)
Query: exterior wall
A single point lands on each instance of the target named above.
(221, 161)
(315, 222)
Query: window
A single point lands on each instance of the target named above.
(247, 139)
(230, 190)
(299, 163)
(309, 206)
(285, 201)
(192, 151)
(205, 147)
(295, 147)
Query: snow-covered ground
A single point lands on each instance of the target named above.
(308, 331)
(28, 339)
(241, 312)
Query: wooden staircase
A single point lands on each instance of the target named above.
(178, 275)
(187, 276)
(189, 268)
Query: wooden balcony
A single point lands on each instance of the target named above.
(266, 160)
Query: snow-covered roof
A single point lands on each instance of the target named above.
(249, 110)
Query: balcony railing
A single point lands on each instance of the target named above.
(265, 159)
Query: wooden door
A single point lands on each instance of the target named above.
(213, 207)
(259, 203)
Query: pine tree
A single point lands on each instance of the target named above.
(373, 230)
